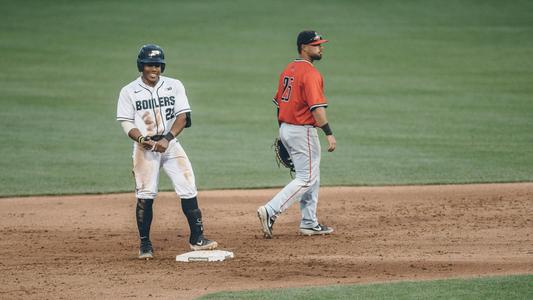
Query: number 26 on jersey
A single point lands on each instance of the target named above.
(287, 88)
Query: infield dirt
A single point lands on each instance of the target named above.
(72, 247)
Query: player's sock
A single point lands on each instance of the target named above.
(194, 218)
(143, 212)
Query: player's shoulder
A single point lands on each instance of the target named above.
(304, 66)
(134, 84)
(307, 65)
(302, 63)
(309, 71)
(130, 86)
(171, 81)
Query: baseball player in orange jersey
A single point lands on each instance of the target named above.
(153, 110)
(301, 109)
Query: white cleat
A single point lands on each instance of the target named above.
(317, 230)
(266, 222)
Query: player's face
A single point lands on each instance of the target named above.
(313, 52)
(316, 51)
(151, 73)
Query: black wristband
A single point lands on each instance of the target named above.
(326, 129)
(169, 136)
(140, 139)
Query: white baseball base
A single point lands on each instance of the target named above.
(206, 255)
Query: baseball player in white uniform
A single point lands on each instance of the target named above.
(153, 110)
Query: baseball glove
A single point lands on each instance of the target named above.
(282, 155)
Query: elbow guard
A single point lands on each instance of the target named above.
(188, 121)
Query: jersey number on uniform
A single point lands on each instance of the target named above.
(287, 88)
(169, 113)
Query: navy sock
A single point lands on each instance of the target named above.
(194, 218)
(144, 213)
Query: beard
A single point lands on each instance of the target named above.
(316, 57)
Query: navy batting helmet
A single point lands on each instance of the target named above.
(150, 53)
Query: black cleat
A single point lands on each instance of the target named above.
(203, 244)
(146, 251)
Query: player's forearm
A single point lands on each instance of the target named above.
(319, 114)
(135, 134)
(321, 119)
(178, 124)
(129, 128)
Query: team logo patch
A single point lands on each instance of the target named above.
(154, 53)
(317, 37)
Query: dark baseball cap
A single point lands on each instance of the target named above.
(309, 37)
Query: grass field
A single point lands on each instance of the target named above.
(494, 288)
(420, 91)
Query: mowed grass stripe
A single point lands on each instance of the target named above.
(420, 91)
(496, 288)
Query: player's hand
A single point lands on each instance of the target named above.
(161, 146)
(332, 143)
(147, 144)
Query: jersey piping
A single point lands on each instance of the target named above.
(160, 113)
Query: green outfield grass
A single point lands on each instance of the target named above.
(420, 91)
(489, 288)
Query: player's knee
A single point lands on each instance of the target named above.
(146, 194)
(304, 183)
(187, 193)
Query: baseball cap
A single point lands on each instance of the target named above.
(309, 37)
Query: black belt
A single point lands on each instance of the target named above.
(157, 137)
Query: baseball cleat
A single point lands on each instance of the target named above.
(203, 244)
(146, 251)
(317, 230)
(266, 222)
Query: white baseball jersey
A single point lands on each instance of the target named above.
(152, 109)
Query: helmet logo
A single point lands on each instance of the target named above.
(153, 53)
(316, 37)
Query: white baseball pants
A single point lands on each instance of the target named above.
(175, 163)
(304, 148)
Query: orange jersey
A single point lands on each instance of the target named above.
(300, 90)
